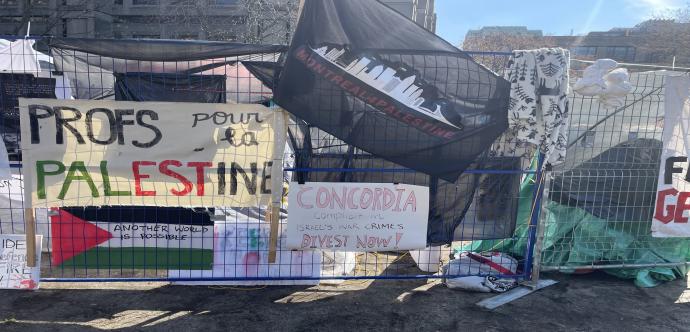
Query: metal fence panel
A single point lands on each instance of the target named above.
(599, 211)
(244, 259)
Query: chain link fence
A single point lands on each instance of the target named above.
(230, 244)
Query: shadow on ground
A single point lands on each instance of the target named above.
(590, 302)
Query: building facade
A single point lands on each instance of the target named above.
(234, 20)
(498, 30)
(420, 11)
(660, 42)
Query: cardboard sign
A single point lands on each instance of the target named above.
(79, 152)
(357, 216)
(14, 274)
(241, 251)
(672, 207)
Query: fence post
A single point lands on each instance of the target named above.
(279, 139)
(530, 261)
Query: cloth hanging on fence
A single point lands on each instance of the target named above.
(404, 95)
(604, 80)
(170, 87)
(538, 110)
(92, 63)
(19, 57)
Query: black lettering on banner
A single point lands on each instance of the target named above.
(197, 118)
(248, 138)
(33, 120)
(225, 118)
(249, 183)
(256, 117)
(221, 178)
(120, 122)
(670, 169)
(221, 118)
(61, 122)
(140, 121)
(265, 176)
(111, 126)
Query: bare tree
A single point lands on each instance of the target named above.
(270, 20)
(679, 15)
(258, 21)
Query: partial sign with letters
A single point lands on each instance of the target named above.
(14, 274)
(357, 216)
(672, 207)
(87, 152)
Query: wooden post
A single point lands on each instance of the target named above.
(273, 216)
(30, 230)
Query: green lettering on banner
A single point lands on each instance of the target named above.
(41, 174)
(107, 189)
(77, 166)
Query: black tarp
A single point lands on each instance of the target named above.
(475, 206)
(13, 86)
(170, 87)
(617, 185)
(373, 78)
(162, 49)
(92, 63)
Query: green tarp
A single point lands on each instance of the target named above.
(573, 237)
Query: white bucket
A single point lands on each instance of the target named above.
(427, 259)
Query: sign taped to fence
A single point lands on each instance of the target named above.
(357, 216)
(241, 251)
(672, 207)
(14, 274)
(79, 152)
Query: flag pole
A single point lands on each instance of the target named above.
(279, 140)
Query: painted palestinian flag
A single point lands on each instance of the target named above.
(135, 237)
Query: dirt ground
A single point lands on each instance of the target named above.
(593, 302)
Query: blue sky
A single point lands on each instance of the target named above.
(455, 17)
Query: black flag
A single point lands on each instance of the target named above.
(369, 76)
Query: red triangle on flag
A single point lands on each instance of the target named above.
(72, 236)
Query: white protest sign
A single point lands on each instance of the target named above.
(672, 207)
(103, 152)
(357, 216)
(14, 274)
(241, 251)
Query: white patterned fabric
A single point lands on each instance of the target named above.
(538, 111)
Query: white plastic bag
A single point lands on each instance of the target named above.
(476, 266)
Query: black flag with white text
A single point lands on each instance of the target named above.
(378, 81)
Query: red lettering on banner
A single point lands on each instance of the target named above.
(300, 202)
(682, 206)
(200, 165)
(660, 202)
(322, 198)
(138, 176)
(164, 168)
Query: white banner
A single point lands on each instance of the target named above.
(87, 152)
(672, 205)
(357, 216)
(14, 274)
